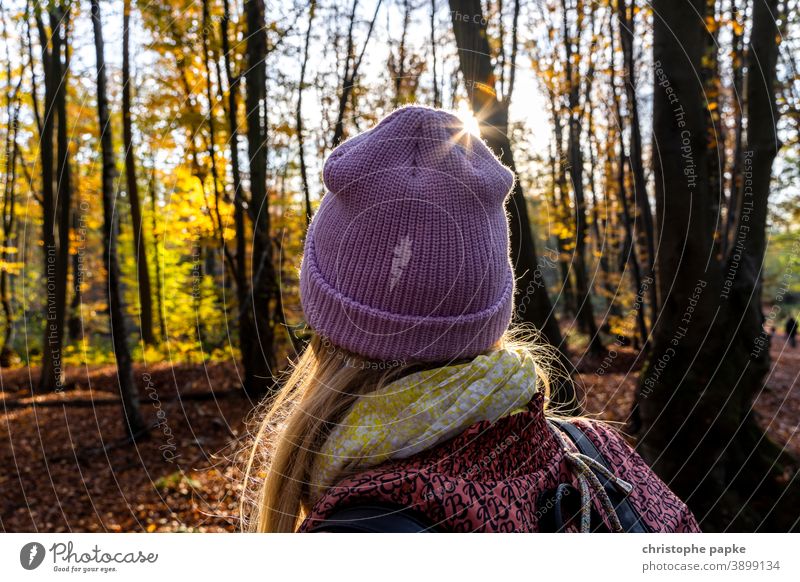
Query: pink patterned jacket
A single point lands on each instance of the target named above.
(488, 479)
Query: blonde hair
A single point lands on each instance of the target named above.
(320, 389)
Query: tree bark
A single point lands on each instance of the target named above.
(628, 255)
(697, 390)
(299, 113)
(685, 250)
(246, 332)
(399, 68)
(437, 97)
(644, 214)
(64, 205)
(74, 323)
(601, 242)
(139, 237)
(227, 258)
(135, 426)
(585, 310)
(715, 129)
(259, 359)
(533, 304)
(352, 66)
(737, 104)
(561, 210)
(162, 324)
(13, 104)
(51, 377)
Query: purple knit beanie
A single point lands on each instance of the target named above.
(408, 255)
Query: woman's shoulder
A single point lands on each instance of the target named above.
(656, 502)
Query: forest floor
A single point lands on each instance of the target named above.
(65, 467)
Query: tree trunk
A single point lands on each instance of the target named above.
(533, 304)
(437, 97)
(682, 205)
(74, 323)
(162, 324)
(561, 210)
(399, 68)
(259, 359)
(134, 424)
(644, 214)
(64, 205)
(246, 332)
(737, 102)
(601, 242)
(51, 377)
(710, 352)
(13, 103)
(628, 254)
(352, 66)
(585, 312)
(207, 28)
(715, 129)
(299, 113)
(139, 238)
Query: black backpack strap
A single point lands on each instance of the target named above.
(560, 507)
(628, 516)
(372, 519)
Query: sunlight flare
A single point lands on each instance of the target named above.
(471, 124)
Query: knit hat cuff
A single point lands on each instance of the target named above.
(382, 335)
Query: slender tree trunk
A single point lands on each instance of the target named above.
(437, 97)
(561, 208)
(598, 233)
(37, 115)
(737, 102)
(352, 67)
(246, 332)
(600, 245)
(557, 202)
(628, 255)
(212, 147)
(64, 205)
(533, 304)
(715, 129)
(259, 360)
(585, 314)
(51, 377)
(644, 214)
(7, 353)
(162, 324)
(610, 222)
(299, 113)
(134, 424)
(139, 237)
(400, 67)
(74, 325)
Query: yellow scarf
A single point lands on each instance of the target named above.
(423, 409)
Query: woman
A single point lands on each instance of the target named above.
(412, 409)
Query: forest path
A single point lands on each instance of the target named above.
(184, 478)
(608, 391)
